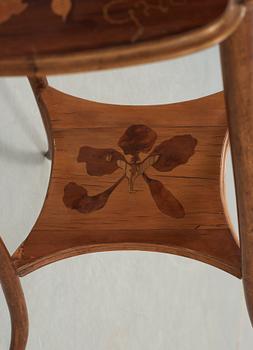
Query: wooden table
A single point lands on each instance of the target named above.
(133, 177)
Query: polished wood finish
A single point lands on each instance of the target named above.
(15, 299)
(237, 61)
(132, 177)
(48, 37)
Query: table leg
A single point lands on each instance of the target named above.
(15, 299)
(237, 63)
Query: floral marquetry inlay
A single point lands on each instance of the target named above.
(61, 7)
(136, 140)
(8, 8)
(115, 12)
(136, 11)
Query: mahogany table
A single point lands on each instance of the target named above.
(133, 177)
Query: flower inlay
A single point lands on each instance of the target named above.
(136, 139)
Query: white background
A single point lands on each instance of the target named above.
(119, 300)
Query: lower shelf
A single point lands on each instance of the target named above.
(132, 177)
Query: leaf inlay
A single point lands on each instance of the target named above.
(61, 7)
(8, 8)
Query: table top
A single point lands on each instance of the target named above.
(65, 35)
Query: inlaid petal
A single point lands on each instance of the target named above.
(76, 197)
(136, 139)
(99, 161)
(174, 152)
(166, 202)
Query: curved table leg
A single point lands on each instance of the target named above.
(15, 299)
(237, 61)
(37, 85)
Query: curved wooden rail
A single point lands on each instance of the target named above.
(15, 299)
(216, 248)
(177, 212)
(85, 38)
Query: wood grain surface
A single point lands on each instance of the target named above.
(132, 177)
(51, 36)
